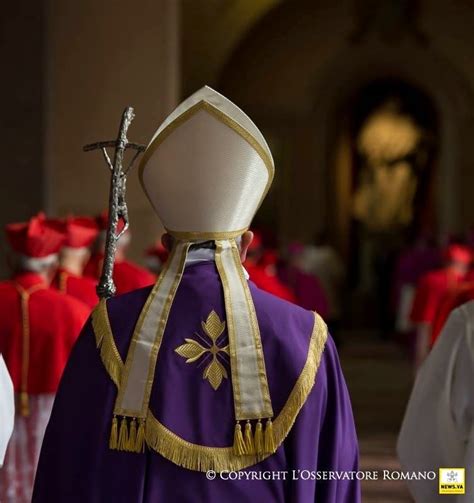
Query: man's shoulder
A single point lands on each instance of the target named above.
(456, 333)
(123, 304)
(121, 315)
(466, 310)
(267, 303)
(124, 309)
(283, 323)
(463, 316)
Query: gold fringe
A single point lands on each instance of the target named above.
(269, 438)
(132, 438)
(203, 458)
(105, 342)
(123, 435)
(258, 440)
(248, 439)
(140, 440)
(239, 444)
(192, 456)
(113, 442)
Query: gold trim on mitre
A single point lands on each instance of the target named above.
(249, 378)
(222, 117)
(203, 458)
(205, 236)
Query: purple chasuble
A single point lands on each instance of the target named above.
(76, 464)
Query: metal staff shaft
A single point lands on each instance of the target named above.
(117, 203)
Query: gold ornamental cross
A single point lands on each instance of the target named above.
(192, 350)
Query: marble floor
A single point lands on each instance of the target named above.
(379, 378)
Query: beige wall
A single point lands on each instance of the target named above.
(299, 67)
(100, 57)
(211, 30)
(21, 183)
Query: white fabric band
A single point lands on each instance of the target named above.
(7, 409)
(249, 379)
(208, 255)
(139, 371)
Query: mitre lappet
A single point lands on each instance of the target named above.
(205, 171)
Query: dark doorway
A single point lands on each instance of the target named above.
(391, 131)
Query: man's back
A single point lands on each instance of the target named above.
(38, 327)
(53, 321)
(190, 422)
(80, 287)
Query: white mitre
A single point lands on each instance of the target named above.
(7, 409)
(207, 168)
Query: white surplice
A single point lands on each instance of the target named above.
(437, 431)
(7, 409)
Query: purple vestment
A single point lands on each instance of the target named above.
(76, 464)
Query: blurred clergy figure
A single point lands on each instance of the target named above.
(306, 286)
(438, 428)
(204, 371)
(453, 299)
(156, 257)
(128, 276)
(80, 233)
(430, 292)
(38, 327)
(261, 267)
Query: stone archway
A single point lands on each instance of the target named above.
(295, 73)
(434, 76)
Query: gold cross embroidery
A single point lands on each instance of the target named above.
(193, 351)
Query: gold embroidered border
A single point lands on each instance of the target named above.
(119, 410)
(62, 281)
(25, 295)
(222, 117)
(105, 342)
(230, 329)
(262, 373)
(162, 326)
(202, 458)
(205, 235)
